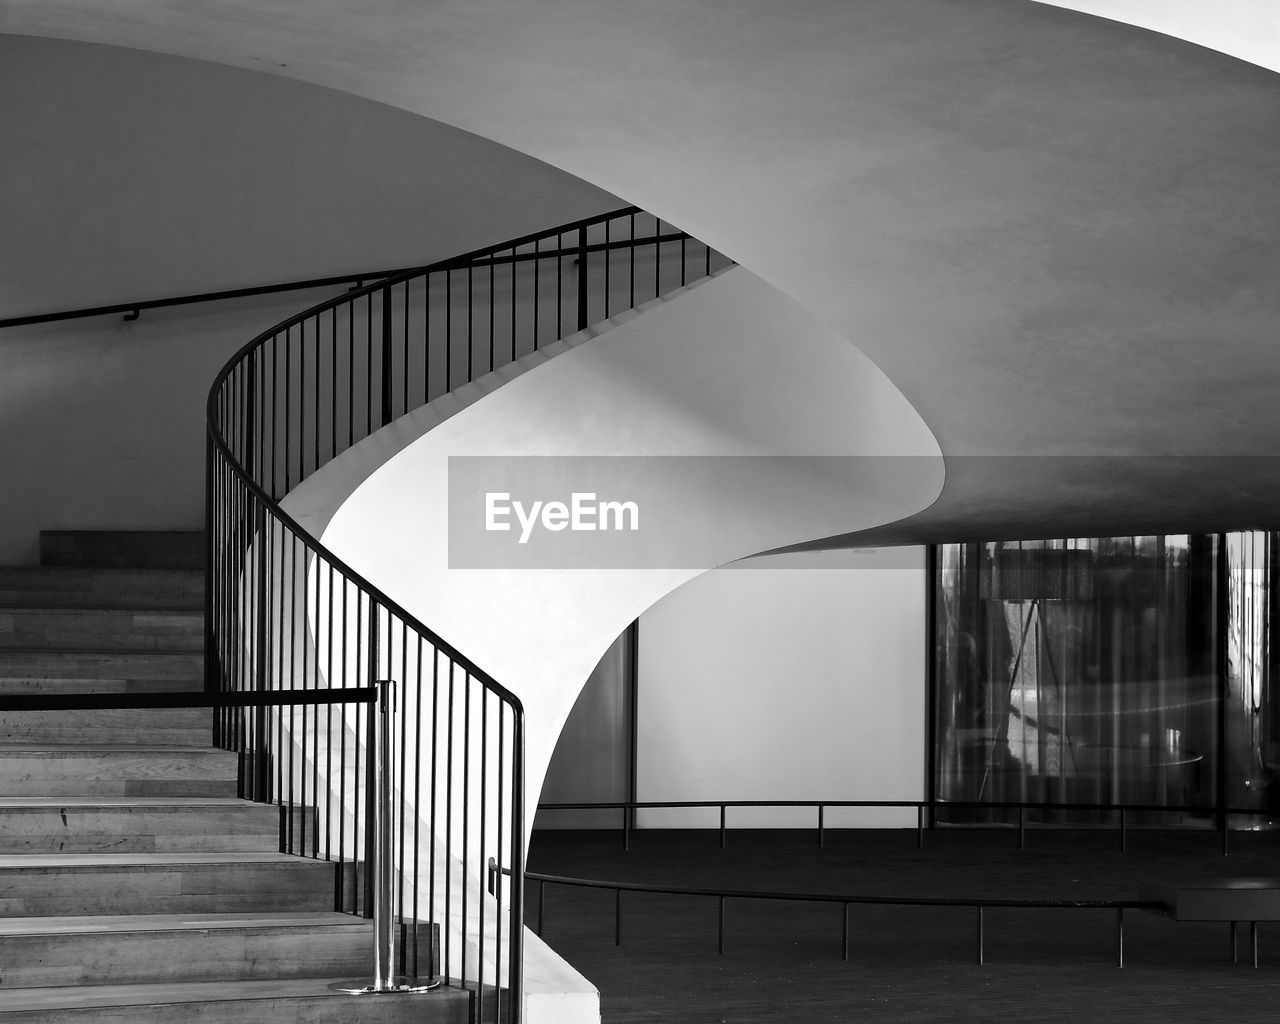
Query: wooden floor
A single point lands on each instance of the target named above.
(783, 962)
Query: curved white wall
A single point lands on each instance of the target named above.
(726, 368)
(729, 368)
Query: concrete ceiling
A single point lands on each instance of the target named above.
(1058, 235)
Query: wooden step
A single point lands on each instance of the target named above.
(35, 586)
(143, 825)
(42, 664)
(290, 1001)
(72, 884)
(183, 727)
(102, 629)
(41, 952)
(80, 770)
(139, 549)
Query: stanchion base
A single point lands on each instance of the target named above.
(399, 986)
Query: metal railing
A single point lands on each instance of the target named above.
(131, 311)
(931, 808)
(236, 712)
(282, 611)
(845, 900)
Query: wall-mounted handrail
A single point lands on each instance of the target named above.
(284, 611)
(132, 310)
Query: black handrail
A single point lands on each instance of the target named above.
(846, 900)
(282, 610)
(183, 699)
(921, 806)
(133, 310)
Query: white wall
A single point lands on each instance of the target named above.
(129, 175)
(791, 677)
(727, 368)
(1248, 29)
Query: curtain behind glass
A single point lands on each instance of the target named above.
(1077, 672)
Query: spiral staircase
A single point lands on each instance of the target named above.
(139, 882)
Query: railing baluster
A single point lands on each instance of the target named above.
(264, 626)
(582, 279)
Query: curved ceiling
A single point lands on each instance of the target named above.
(1055, 233)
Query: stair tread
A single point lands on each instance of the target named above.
(77, 653)
(65, 861)
(105, 748)
(99, 802)
(10, 605)
(121, 923)
(183, 992)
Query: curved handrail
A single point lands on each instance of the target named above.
(284, 611)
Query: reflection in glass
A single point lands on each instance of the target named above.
(1252, 710)
(1078, 671)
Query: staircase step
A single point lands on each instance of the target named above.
(59, 885)
(80, 770)
(294, 1001)
(32, 664)
(151, 948)
(138, 549)
(35, 586)
(143, 825)
(102, 629)
(183, 727)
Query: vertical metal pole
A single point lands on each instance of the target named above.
(1221, 663)
(844, 934)
(210, 645)
(722, 826)
(632, 679)
(931, 683)
(720, 931)
(821, 824)
(260, 775)
(1253, 941)
(387, 361)
(582, 278)
(1119, 936)
(1235, 949)
(384, 884)
(919, 826)
(981, 952)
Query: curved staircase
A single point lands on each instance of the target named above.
(135, 884)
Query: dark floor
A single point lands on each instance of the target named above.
(782, 962)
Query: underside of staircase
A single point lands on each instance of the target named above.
(134, 884)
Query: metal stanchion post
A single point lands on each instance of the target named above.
(384, 889)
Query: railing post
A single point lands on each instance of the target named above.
(261, 775)
(582, 278)
(381, 850)
(384, 869)
(387, 362)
